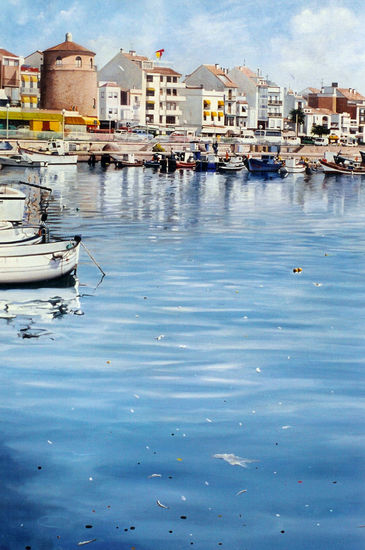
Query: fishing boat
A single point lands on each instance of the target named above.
(15, 235)
(267, 163)
(56, 152)
(38, 263)
(124, 160)
(154, 162)
(21, 160)
(293, 166)
(12, 203)
(362, 153)
(185, 160)
(350, 168)
(234, 164)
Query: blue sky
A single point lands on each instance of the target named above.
(296, 43)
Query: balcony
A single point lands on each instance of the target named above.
(274, 102)
(29, 91)
(275, 115)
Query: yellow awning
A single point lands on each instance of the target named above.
(220, 114)
(34, 100)
(90, 121)
(25, 77)
(34, 78)
(221, 103)
(150, 101)
(25, 99)
(207, 101)
(206, 113)
(213, 113)
(151, 89)
(74, 120)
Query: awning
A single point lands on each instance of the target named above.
(206, 113)
(25, 99)
(34, 78)
(90, 121)
(25, 77)
(221, 103)
(150, 101)
(150, 89)
(34, 100)
(207, 101)
(213, 113)
(220, 114)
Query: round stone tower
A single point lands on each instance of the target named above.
(69, 78)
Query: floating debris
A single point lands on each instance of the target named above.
(234, 460)
(161, 505)
(297, 270)
(159, 337)
(241, 492)
(208, 420)
(83, 542)
(154, 475)
(317, 284)
(258, 369)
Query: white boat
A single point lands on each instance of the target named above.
(38, 263)
(293, 166)
(12, 203)
(15, 235)
(232, 165)
(57, 152)
(21, 160)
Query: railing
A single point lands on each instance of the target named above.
(273, 102)
(274, 115)
(30, 91)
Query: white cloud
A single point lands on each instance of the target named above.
(322, 47)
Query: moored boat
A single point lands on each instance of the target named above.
(38, 263)
(234, 164)
(21, 160)
(293, 166)
(267, 163)
(124, 160)
(354, 168)
(57, 152)
(17, 235)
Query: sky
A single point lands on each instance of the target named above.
(295, 43)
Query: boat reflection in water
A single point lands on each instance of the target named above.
(31, 307)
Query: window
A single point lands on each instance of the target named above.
(161, 119)
(168, 91)
(102, 95)
(115, 95)
(59, 60)
(149, 78)
(78, 61)
(174, 91)
(168, 79)
(161, 78)
(170, 120)
(174, 79)
(91, 63)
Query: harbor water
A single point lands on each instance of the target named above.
(208, 391)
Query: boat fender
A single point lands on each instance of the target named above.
(77, 239)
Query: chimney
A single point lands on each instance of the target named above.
(68, 37)
(217, 66)
(334, 84)
(121, 49)
(132, 52)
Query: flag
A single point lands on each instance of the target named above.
(159, 53)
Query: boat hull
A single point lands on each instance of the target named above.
(49, 158)
(257, 165)
(12, 203)
(38, 263)
(333, 168)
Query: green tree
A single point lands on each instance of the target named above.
(297, 116)
(319, 130)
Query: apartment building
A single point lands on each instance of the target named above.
(213, 78)
(264, 98)
(10, 76)
(150, 92)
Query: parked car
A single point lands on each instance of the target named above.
(320, 141)
(307, 140)
(248, 139)
(291, 140)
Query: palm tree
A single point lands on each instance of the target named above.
(298, 117)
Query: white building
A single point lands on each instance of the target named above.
(150, 93)
(264, 98)
(213, 78)
(203, 111)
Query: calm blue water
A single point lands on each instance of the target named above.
(117, 394)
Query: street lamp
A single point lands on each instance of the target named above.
(63, 124)
(7, 120)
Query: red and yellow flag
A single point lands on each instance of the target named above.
(159, 53)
